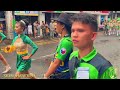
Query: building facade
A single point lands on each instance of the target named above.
(46, 16)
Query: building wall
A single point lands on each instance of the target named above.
(9, 18)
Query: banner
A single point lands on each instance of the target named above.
(27, 13)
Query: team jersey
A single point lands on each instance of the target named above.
(63, 51)
(99, 67)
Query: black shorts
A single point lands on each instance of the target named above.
(61, 75)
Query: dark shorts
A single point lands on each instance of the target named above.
(61, 75)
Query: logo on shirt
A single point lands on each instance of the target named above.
(63, 51)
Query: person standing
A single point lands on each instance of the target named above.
(30, 30)
(43, 29)
(38, 29)
(86, 62)
(58, 68)
(35, 28)
(52, 28)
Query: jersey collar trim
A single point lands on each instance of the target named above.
(89, 56)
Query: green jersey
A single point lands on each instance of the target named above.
(99, 67)
(63, 51)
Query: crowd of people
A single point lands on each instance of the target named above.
(112, 27)
(78, 31)
(44, 29)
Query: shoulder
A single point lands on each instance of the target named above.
(67, 40)
(15, 37)
(25, 38)
(73, 54)
(100, 61)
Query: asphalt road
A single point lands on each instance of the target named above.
(108, 46)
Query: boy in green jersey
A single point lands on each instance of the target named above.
(86, 62)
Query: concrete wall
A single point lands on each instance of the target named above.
(9, 18)
(41, 17)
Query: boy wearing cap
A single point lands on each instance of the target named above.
(59, 66)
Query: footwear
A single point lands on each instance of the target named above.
(7, 70)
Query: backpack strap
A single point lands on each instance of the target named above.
(100, 63)
(74, 62)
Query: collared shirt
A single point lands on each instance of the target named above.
(109, 73)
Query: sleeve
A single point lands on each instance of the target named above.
(110, 73)
(64, 50)
(3, 36)
(14, 40)
(32, 44)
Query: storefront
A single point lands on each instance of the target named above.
(100, 15)
(51, 15)
(3, 21)
(31, 16)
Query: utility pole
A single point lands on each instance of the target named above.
(13, 24)
(115, 14)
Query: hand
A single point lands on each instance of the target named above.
(0, 41)
(26, 57)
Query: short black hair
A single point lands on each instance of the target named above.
(86, 18)
(68, 28)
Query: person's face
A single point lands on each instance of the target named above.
(59, 27)
(18, 28)
(82, 35)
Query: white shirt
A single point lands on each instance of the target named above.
(29, 27)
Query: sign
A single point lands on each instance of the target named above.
(27, 13)
(53, 11)
(58, 11)
(71, 11)
(97, 12)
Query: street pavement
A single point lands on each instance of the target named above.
(108, 46)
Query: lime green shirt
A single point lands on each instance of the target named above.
(109, 73)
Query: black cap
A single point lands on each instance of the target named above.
(64, 18)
